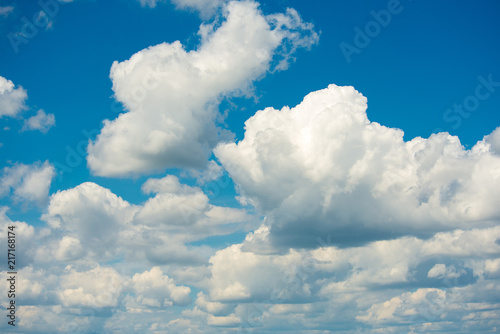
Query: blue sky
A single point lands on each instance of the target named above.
(280, 161)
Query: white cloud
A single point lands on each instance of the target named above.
(25, 234)
(154, 289)
(93, 224)
(212, 172)
(69, 249)
(89, 209)
(93, 220)
(41, 121)
(322, 168)
(381, 283)
(97, 288)
(494, 141)
(172, 95)
(29, 183)
(149, 3)
(441, 270)
(12, 100)
(245, 276)
(206, 8)
(215, 308)
(231, 320)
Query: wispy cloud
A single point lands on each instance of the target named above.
(41, 122)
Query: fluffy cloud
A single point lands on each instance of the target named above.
(442, 271)
(93, 224)
(155, 289)
(69, 249)
(494, 141)
(28, 183)
(213, 172)
(25, 235)
(12, 100)
(448, 280)
(41, 122)
(172, 95)
(206, 8)
(322, 168)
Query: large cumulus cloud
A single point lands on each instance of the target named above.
(171, 95)
(322, 168)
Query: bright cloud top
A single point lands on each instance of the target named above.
(172, 95)
(323, 168)
(206, 8)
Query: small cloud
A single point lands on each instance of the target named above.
(41, 121)
(12, 100)
(6, 10)
(212, 172)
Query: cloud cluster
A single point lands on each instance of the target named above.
(171, 95)
(322, 168)
(6, 10)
